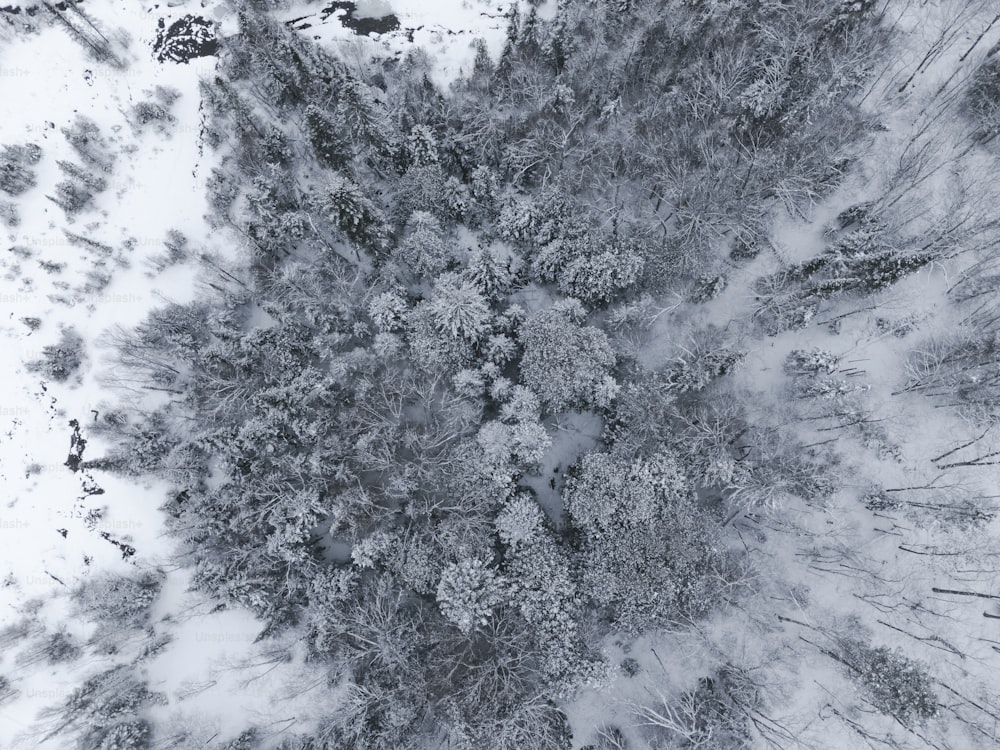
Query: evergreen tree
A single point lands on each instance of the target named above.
(333, 147)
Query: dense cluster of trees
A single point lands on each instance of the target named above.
(430, 282)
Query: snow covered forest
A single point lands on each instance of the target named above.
(500, 375)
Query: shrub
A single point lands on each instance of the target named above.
(16, 162)
(327, 135)
(468, 592)
(84, 136)
(54, 649)
(119, 599)
(649, 552)
(458, 309)
(6, 691)
(567, 364)
(895, 684)
(150, 113)
(9, 214)
(599, 277)
(424, 250)
(125, 735)
(60, 360)
(982, 99)
(354, 213)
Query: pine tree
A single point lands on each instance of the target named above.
(458, 309)
(327, 135)
(354, 213)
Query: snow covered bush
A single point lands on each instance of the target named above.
(121, 600)
(16, 162)
(708, 357)
(387, 311)
(491, 273)
(598, 277)
(60, 360)
(895, 684)
(982, 99)
(517, 440)
(649, 552)
(328, 137)
(458, 309)
(802, 362)
(567, 364)
(424, 251)
(84, 135)
(353, 212)
(468, 592)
